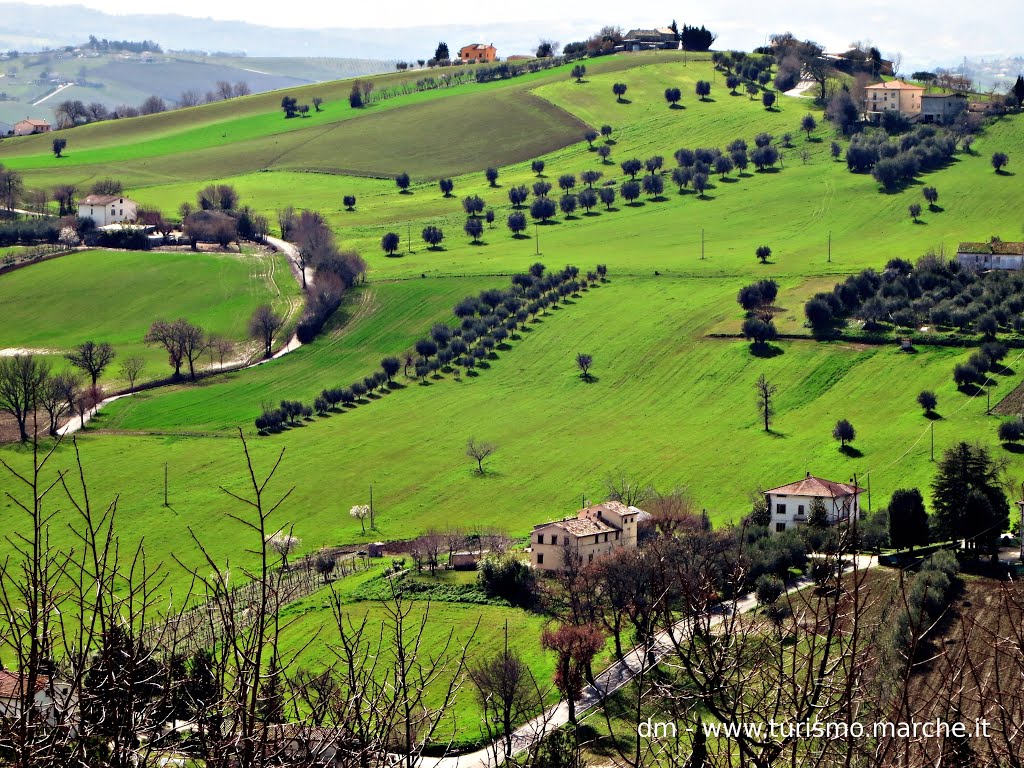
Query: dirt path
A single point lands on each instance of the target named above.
(291, 253)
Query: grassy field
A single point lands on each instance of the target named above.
(669, 403)
(116, 295)
(311, 633)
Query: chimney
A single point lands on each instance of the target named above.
(808, 475)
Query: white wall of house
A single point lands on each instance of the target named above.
(990, 261)
(792, 511)
(121, 209)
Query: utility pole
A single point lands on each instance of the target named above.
(869, 493)
(702, 243)
(408, 236)
(536, 234)
(371, 508)
(988, 401)
(165, 485)
(830, 246)
(933, 441)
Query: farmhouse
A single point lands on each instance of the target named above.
(893, 96)
(649, 39)
(107, 209)
(478, 52)
(12, 685)
(942, 107)
(790, 504)
(593, 532)
(994, 254)
(29, 126)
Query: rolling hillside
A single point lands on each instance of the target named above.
(669, 403)
(34, 84)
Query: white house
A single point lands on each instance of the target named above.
(593, 532)
(994, 254)
(49, 699)
(790, 505)
(107, 209)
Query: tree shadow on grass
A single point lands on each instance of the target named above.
(936, 209)
(472, 373)
(437, 248)
(636, 204)
(483, 364)
(727, 180)
(548, 223)
(396, 385)
(933, 416)
(920, 222)
(658, 199)
(520, 236)
(425, 383)
(1012, 447)
(1005, 173)
(478, 243)
(849, 450)
(504, 347)
(589, 378)
(765, 350)
(677, 106)
(624, 101)
(591, 214)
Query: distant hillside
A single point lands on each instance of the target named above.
(32, 85)
(27, 27)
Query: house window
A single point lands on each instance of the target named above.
(780, 527)
(540, 558)
(800, 509)
(565, 540)
(780, 509)
(540, 538)
(616, 535)
(590, 557)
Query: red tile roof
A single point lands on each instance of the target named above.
(11, 684)
(33, 121)
(997, 247)
(898, 85)
(816, 486)
(99, 199)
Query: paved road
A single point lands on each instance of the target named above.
(609, 681)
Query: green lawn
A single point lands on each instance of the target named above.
(116, 295)
(311, 633)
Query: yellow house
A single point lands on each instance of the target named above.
(593, 532)
(893, 96)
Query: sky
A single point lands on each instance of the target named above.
(925, 33)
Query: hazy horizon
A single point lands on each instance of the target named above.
(942, 35)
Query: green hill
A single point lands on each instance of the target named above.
(670, 403)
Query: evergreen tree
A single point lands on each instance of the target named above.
(967, 500)
(908, 520)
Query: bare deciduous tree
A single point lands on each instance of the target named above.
(479, 451)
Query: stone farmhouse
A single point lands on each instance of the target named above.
(29, 126)
(790, 504)
(911, 102)
(593, 532)
(994, 254)
(107, 209)
(478, 52)
(649, 39)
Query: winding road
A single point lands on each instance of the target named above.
(608, 682)
(292, 254)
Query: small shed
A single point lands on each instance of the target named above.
(376, 549)
(464, 561)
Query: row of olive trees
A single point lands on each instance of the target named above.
(486, 324)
